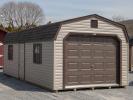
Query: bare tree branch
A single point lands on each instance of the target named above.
(21, 15)
(118, 18)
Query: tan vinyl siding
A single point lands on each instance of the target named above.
(40, 74)
(11, 66)
(21, 62)
(84, 27)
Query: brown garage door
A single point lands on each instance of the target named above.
(91, 60)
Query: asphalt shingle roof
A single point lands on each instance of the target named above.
(44, 32)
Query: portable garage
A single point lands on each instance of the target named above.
(89, 51)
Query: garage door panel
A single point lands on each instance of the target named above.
(109, 65)
(97, 46)
(72, 53)
(97, 40)
(85, 72)
(85, 65)
(98, 60)
(110, 79)
(91, 60)
(98, 71)
(85, 53)
(84, 39)
(85, 60)
(109, 53)
(97, 79)
(72, 79)
(111, 44)
(71, 60)
(98, 66)
(72, 65)
(110, 72)
(72, 45)
(72, 83)
(98, 53)
(110, 60)
(86, 79)
(110, 40)
(109, 47)
(72, 72)
(85, 46)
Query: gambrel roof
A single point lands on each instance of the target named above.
(50, 31)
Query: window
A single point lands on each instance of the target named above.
(37, 53)
(10, 52)
(94, 23)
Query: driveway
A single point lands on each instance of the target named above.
(13, 89)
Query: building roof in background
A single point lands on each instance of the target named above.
(129, 26)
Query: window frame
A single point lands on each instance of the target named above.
(10, 52)
(37, 53)
(94, 23)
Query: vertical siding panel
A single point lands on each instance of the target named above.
(21, 61)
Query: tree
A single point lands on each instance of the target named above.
(22, 15)
(118, 18)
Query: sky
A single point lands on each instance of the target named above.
(57, 10)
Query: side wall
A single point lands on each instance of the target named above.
(40, 74)
(84, 27)
(11, 66)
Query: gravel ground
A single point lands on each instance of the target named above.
(13, 89)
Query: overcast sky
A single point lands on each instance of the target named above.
(57, 10)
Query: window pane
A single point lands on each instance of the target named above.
(37, 53)
(94, 23)
(10, 52)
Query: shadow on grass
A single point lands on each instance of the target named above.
(18, 84)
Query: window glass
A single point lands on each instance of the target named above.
(10, 52)
(94, 23)
(37, 53)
